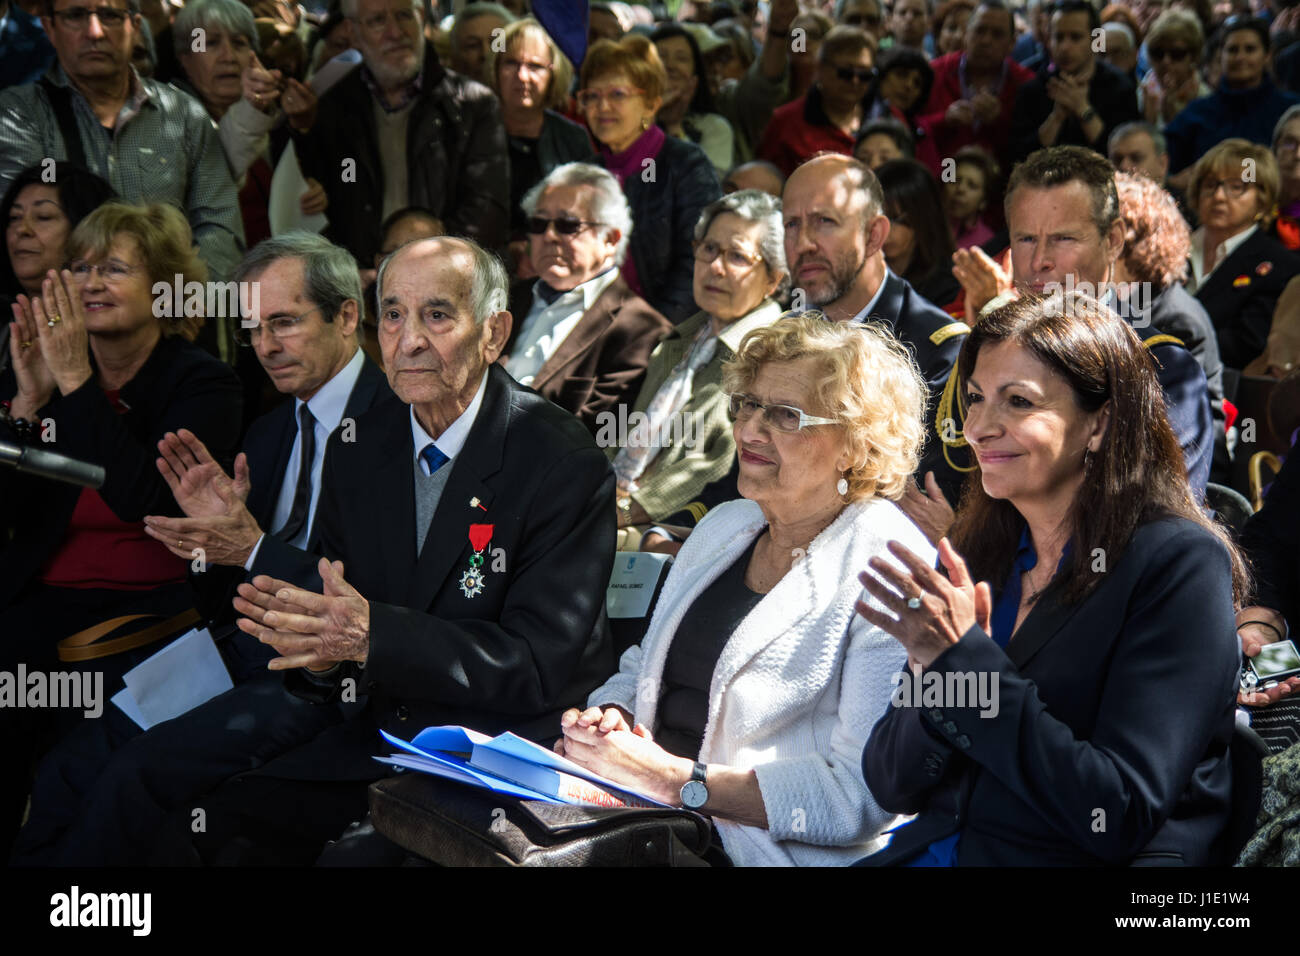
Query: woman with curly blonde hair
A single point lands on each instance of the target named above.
(1157, 242)
(754, 689)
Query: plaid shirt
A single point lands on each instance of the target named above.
(163, 148)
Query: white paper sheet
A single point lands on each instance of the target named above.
(284, 209)
(184, 674)
(632, 583)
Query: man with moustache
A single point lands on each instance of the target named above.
(835, 234)
(402, 130)
(467, 536)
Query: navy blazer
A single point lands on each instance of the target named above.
(535, 639)
(1242, 293)
(267, 446)
(935, 339)
(1111, 737)
(1272, 540)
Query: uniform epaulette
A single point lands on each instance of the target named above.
(939, 336)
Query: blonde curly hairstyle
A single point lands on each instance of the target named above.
(867, 380)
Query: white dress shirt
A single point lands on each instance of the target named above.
(1226, 248)
(546, 326)
(452, 440)
(327, 407)
(862, 316)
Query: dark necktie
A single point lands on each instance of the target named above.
(546, 293)
(302, 494)
(433, 457)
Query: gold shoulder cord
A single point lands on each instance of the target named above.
(946, 411)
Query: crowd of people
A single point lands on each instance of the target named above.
(935, 344)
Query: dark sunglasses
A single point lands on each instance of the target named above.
(850, 73)
(1178, 55)
(536, 225)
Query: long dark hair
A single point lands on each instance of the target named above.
(80, 193)
(702, 101)
(912, 194)
(1136, 477)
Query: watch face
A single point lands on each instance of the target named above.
(694, 794)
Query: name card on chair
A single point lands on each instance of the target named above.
(632, 582)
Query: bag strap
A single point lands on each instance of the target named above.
(86, 646)
(60, 98)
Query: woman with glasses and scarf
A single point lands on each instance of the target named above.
(668, 181)
(751, 696)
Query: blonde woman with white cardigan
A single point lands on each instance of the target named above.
(756, 686)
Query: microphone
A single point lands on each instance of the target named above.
(46, 464)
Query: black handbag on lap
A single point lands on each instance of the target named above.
(453, 824)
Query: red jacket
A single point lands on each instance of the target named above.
(950, 137)
(798, 131)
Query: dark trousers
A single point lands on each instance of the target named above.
(101, 797)
(30, 629)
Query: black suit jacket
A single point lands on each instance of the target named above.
(1187, 401)
(268, 445)
(178, 386)
(935, 339)
(1242, 311)
(1112, 94)
(1272, 540)
(602, 361)
(457, 163)
(1110, 741)
(535, 640)
(664, 213)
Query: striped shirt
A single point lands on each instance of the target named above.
(163, 148)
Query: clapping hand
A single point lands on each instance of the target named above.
(218, 525)
(982, 278)
(309, 630)
(1068, 92)
(34, 379)
(933, 611)
(928, 509)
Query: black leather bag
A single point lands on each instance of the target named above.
(453, 824)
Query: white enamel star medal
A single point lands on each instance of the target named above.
(471, 582)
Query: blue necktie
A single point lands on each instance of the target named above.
(302, 492)
(433, 458)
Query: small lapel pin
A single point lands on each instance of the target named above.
(475, 503)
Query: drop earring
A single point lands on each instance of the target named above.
(842, 486)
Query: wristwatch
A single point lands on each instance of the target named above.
(1087, 114)
(695, 793)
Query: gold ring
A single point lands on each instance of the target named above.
(25, 344)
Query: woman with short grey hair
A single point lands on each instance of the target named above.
(685, 440)
(216, 45)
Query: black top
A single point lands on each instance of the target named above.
(688, 671)
(525, 173)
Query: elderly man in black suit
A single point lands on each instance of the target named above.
(583, 338)
(467, 534)
(835, 234)
(98, 795)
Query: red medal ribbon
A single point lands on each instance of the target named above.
(480, 535)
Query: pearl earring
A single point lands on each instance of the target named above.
(842, 486)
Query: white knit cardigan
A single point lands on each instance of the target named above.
(798, 686)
